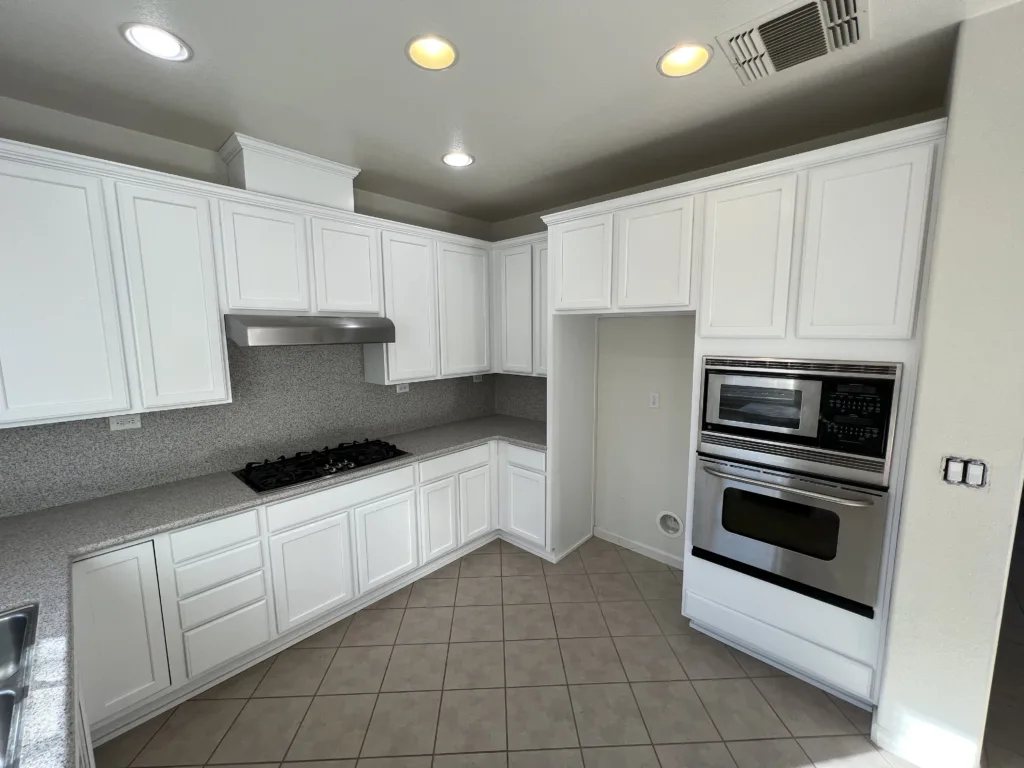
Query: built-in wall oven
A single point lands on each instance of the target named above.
(793, 472)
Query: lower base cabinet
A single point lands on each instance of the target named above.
(439, 519)
(525, 499)
(226, 638)
(386, 542)
(475, 513)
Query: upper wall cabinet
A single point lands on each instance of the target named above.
(61, 351)
(172, 280)
(346, 258)
(582, 253)
(266, 257)
(410, 300)
(463, 287)
(863, 242)
(748, 239)
(654, 254)
(516, 293)
(541, 311)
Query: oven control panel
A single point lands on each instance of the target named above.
(854, 415)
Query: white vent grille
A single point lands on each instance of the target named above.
(885, 370)
(842, 22)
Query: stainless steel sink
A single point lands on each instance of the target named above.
(17, 634)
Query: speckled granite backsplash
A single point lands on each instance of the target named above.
(522, 396)
(286, 399)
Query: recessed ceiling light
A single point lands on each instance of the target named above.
(156, 42)
(684, 60)
(431, 52)
(458, 159)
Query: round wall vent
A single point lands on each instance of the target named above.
(670, 525)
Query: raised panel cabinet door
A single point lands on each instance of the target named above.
(541, 310)
(410, 302)
(346, 260)
(475, 518)
(654, 254)
(465, 317)
(60, 341)
(172, 280)
(266, 257)
(748, 248)
(120, 650)
(863, 244)
(582, 250)
(311, 569)
(526, 503)
(386, 541)
(439, 519)
(517, 309)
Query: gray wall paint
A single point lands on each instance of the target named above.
(522, 396)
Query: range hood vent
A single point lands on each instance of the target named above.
(284, 330)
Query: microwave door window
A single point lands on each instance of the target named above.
(760, 406)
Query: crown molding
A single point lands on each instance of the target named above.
(239, 142)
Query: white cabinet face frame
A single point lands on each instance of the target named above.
(476, 515)
(172, 282)
(863, 245)
(654, 254)
(517, 315)
(61, 351)
(266, 257)
(463, 298)
(525, 504)
(439, 518)
(347, 264)
(747, 252)
(410, 300)
(386, 542)
(541, 310)
(582, 253)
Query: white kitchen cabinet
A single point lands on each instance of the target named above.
(266, 257)
(61, 353)
(582, 253)
(541, 311)
(654, 254)
(439, 519)
(863, 245)
(475, 515)
(410, 301)
(516, 288)
(172, 281)
(748, 243)
(386, 542)
(346, 260)
(525, 504)
(312, 569)
(120, 650)
(463, 288)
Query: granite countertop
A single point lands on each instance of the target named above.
(37, 549)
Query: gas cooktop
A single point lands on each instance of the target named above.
(306, 466)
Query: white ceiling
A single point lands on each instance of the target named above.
(558, 100)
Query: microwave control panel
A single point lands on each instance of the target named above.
(855, 415)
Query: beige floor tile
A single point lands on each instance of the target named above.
(768, 753)
(528, 622)
(191, 734)
(704, 658)
(694, 756)
(394, 762)
(508, 548)
(426, 625)
(492, 547)
(312, 764)
(374, 628)
(333, 727)
(480, 565)
(540, 718)
(738, 710)
(477, 623)
(475, 665)
(570, 589)
(673, 713)
(755, 667)
(358, 669)
(396, 599)
(471, 721)
(607, 715)
(579, 620)
(861, 718)
(843, 752)
(450, 571)
(263, 731)
(403, 724)
(638, 563)
(474, 760)
(614, 586)
(805, 710)
(546, 758)
(430, 593)
(594, 545)
(996, 757)
(485, 590)
(620, 757)
(591, 660)
(632, 618)
(521, 565)
(240, 686)
(648, 659)
(532, 663)
(519, 590)
(571, 564)
(669, 615)
(119, 752)
(658, 585)
(603, 561)
(329, 637)
(416, 668)
(295, 673)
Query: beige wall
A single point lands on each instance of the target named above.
(954, 543)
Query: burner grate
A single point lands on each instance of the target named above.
(306, 466)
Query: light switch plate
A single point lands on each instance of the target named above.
(970, 473)
(128, 421)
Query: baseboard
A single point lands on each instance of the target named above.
(655, 554)
(574, 547)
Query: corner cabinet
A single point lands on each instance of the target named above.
(654, 254)
(582, 253)
(463, 290)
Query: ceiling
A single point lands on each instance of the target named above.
(559, 100)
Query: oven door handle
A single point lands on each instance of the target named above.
(787, 489)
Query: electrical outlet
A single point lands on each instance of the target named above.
(402, 388)
(128, 421)
(654, 401)
(477, 379)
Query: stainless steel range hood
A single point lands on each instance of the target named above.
(280, 330)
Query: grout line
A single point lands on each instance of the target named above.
(136, 755)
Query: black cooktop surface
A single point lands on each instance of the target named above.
(306, 466)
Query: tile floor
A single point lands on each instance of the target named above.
(1004, 738)
(504, 660)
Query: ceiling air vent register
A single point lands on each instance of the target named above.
(793, 34)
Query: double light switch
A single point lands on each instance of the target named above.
(969, 472)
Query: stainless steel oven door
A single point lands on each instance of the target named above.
(821, 535)
(764, 403)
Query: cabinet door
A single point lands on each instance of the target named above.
(463, 288)
(312, 570)
(863, 241)
(748, 244)
(346, 258)
(654, 254)
(410, 301)
(386, 539)
(475, 517)
(517, 309)
(541, 311)
(582, 251)
(439, 524)
(119, 630)
(60, 342)
(525, 502)
(266, 258)
(172, 279)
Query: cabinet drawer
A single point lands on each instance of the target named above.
(204, 574)
(220, 600)
(443, 466)
(524, 457)
(226, 638)
(213, 536)
(288, 514)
